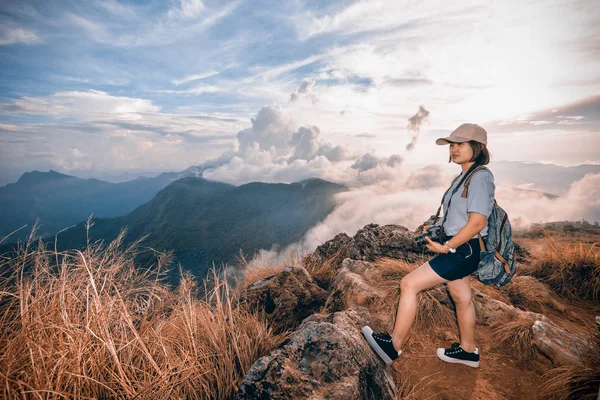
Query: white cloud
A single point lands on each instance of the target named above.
(187, 9)
(97, 131)
(198, 89)
(195, 77)
(80, 105)
(580, 202)
(14, 35)
(97, 31)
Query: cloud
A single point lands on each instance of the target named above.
(305, 90)
(194, 77)
(273, 149)
(198, 89)
(528, 207)
(414, 124)
(307, 146)
(269, 129)
(581, 114)
(81, 105)
(113, 132)
(410, 200)
(187, 9)
(15, 35)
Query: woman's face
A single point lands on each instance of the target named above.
(461, 152)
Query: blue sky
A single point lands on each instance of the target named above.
(105, 87)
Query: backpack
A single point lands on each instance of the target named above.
(497, 258)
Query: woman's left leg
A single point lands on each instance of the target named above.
(422, 278)
(460, 290)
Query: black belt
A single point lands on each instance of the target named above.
(477, 238)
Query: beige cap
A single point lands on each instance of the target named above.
(464, 133)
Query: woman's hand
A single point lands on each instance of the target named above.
(435, 246)
(426, 227)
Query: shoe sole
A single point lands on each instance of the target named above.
(443, 357)
(368, 334)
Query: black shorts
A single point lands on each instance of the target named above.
(464, 262)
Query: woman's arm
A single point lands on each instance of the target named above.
(474, 225)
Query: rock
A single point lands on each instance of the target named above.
(557, 344)
(326, 358)
(490, 311)
(286, 298)
(369, 244)
(349, 289)
(560, 346)
(532, 294)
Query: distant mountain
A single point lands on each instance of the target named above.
(205, 221)
(61, 200)
(546, 195)
(549, 178)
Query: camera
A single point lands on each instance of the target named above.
(435, 233)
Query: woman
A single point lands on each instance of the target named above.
(457, 258)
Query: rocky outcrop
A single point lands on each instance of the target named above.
(326, 358)
(557, 344)
(351, 288)
(368, 244)
(351, 284)
(286, 298)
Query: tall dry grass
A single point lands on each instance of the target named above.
(570, 269)
(254, 271)
(89, 324)
(430, 311)
(579, 381)
(517, 334)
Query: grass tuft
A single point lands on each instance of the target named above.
(89, 324)
(517, 334)
(570, 269)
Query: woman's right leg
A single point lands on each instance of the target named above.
(422, 278)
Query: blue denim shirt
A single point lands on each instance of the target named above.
(480, 199)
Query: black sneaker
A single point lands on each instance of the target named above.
(382, 344)
(456, 354)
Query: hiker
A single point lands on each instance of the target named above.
(457, 258)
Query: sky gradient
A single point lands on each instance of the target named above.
(293, 89)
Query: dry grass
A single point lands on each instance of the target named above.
(572, 382)
(579, 381)
(571, 269)
(524, 296)
(430, 312)
(323, 273)
(254, 272)
(91, 325)
(517, 334)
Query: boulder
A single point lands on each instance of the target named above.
(350, 289)
(560, 346)
(555, 343)
(368, 244)
(326, 358)
(286, 298)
